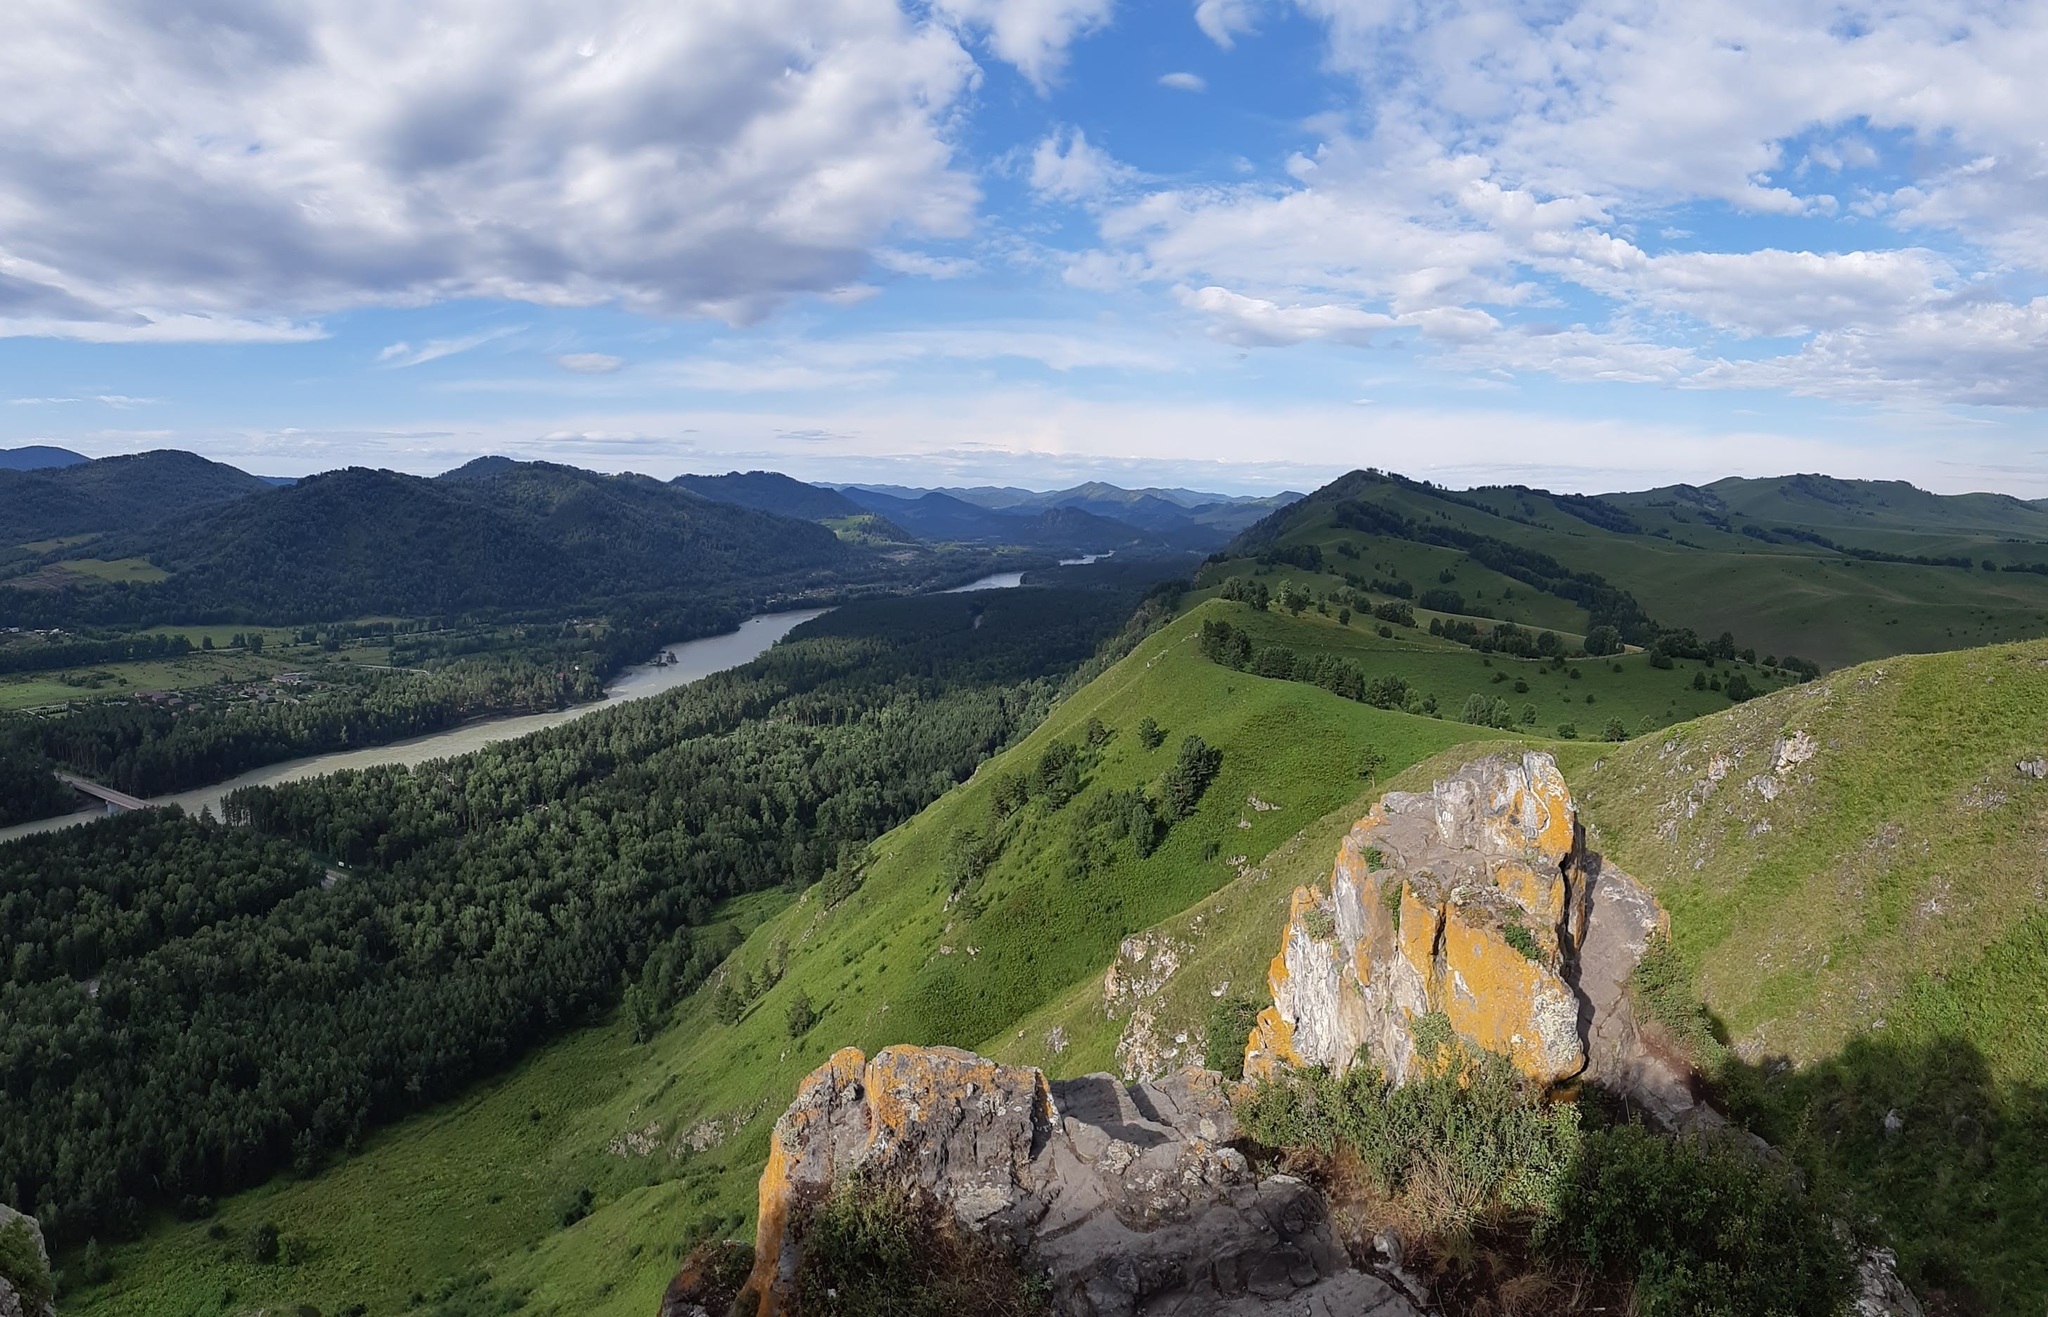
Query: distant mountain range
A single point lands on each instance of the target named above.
(38, 457)
(60, 500)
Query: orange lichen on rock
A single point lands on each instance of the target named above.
(894, 1114)
(1499, 1000)
(1490, 849)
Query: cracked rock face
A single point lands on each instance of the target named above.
(1471, 900)
(1128, 1197)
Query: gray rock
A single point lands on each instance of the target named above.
(12, 1303)
(1127, 1197)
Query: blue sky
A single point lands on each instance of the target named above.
(1236, 244)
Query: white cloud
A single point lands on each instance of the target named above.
(1064, 166)
(400, 355)
(924, 264)
(1184, 82)
(1253, 320)
(180, 174)
(1500, 158)
(589, 363)
(1033, 35)
(1223, 21)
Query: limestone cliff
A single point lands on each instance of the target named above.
(1470, 900)
(1127, 1198)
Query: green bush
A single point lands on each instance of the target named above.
(22, 1266)
(801, 1015)
(1150, 734)
(875, 1249)
(1703, 1226)
(1231, 1020)
(1472, 1143)
(1522, 940)
(261, 1245)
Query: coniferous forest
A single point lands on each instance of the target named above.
(191, 1004)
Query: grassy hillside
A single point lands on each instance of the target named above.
(488, 1182)
(1868, 927)
(1778, 566)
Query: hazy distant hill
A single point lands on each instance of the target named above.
(38, 457)
(520, 535)
(114, 494)
(1824, 502)
(771, 491)
(1187, 517)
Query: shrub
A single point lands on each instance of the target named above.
(1320, 924)
(1703, 1226)
(1614, 731)
(874, 1249)
(801, 1015)
(1150, 734)
(1231, 1020)
(261, 1245)
(1603, 640)
(1469, 1143)
(1522, 940)
(22, 1266)
(1567, 731)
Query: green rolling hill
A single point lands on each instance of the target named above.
(1783, 571)
(1853, 865)
(1899, 881)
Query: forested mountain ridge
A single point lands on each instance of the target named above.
(771, 491)
(532, 536)
(114, 494)
(1920, 573)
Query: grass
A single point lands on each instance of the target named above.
(470, 1185)
(1799, 599)
(1869, 933)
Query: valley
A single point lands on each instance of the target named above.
(1061, 824)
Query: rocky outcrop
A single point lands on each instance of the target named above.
(1129, 1199)
(1472, 901)
(26, 1296)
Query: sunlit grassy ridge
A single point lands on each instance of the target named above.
(1900, 879)
(1691, 566)
(891, 963)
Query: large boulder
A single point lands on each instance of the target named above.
(1470, 901)
(1128, 1198)
(24, 1295)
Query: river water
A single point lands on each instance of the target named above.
(694, 659)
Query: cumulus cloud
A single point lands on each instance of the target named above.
(1065, 167)
(1500, 159)
(1184, 82)
(1033, 35)
(1223, 21)
(221, 173)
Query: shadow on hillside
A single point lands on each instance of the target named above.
(1919, 1140)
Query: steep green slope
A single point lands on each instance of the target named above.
(1781, 584)
(472, 1186)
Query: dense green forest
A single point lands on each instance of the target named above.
(524, 538)
(152, 749)
(190, 1005)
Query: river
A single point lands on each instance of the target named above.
(694, 659)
